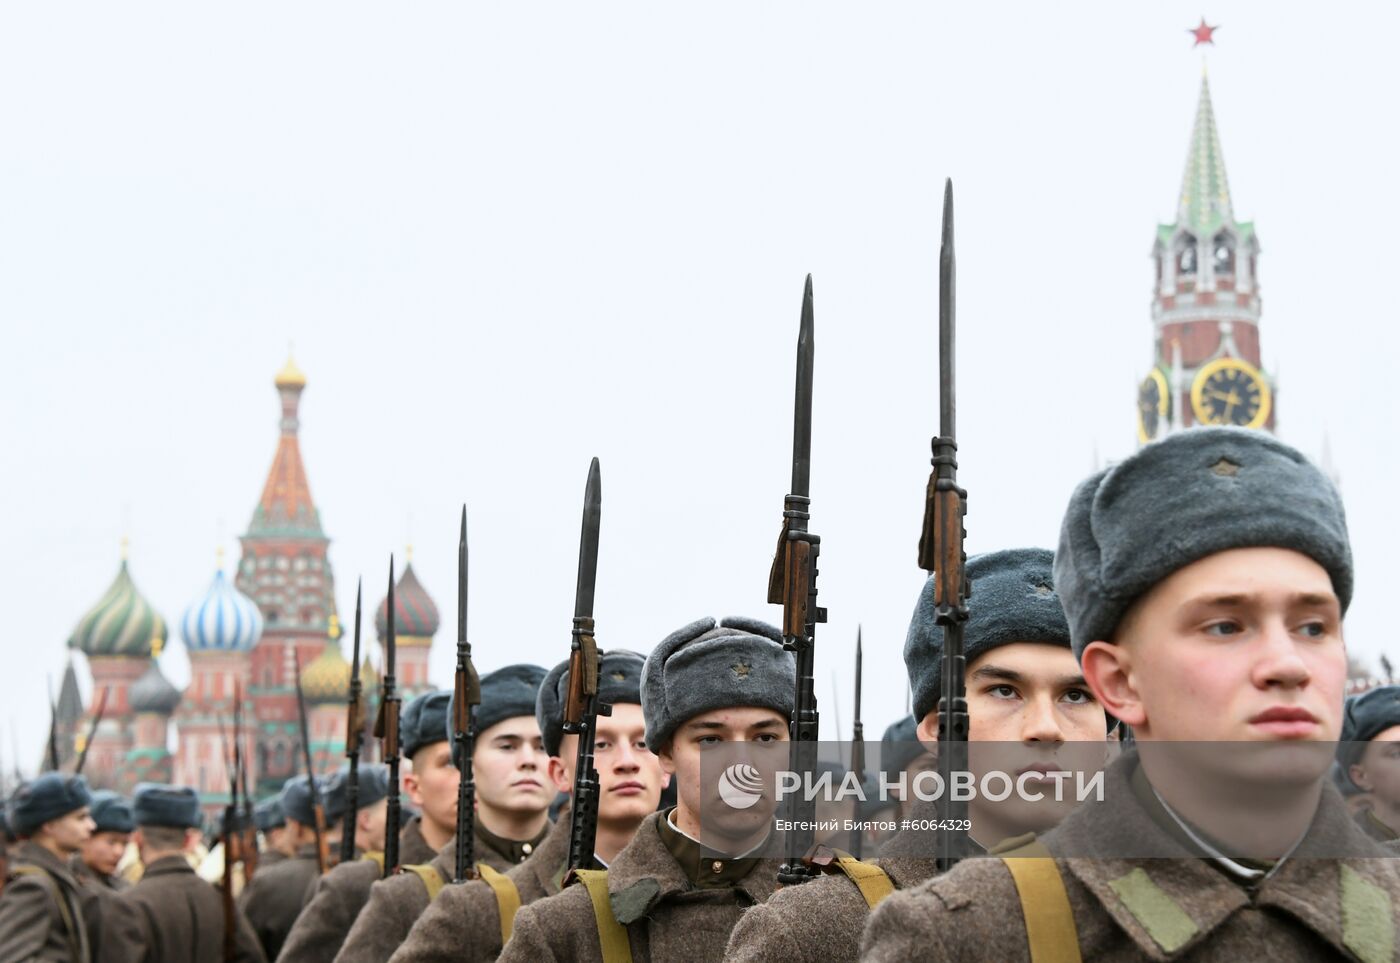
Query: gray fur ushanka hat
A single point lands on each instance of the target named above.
(1181, 499)
(507, 693)
(1364, 717)
(1013, 599)
(619, 681)
(176, 807)
(704, 666)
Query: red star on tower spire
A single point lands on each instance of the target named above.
(1203, 33)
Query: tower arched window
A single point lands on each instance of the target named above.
(1186, 255)
(1223, 253)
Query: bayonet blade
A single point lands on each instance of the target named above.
(947, 322)
(462, 582)
(588, 543)
(860, 659)
(802, 414)
(355, 661)
(389, 641)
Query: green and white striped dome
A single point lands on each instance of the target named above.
(121, 623)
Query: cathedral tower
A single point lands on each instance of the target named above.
(285, 571)
(1206, 367)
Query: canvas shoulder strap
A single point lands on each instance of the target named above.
(612, 935)
(872, 881)
(1050, 929)
(507, 897)
(377, 857)
(70, 926)
(432, 879)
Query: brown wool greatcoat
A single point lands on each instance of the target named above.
(397, 902)
(181, 917)
(828, 912)
(666, 915)
(32, 924)
(463, 925)
(1180, 907)
(274, 898)
(334, 901)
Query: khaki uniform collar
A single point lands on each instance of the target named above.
(1375, 828)
(1169, 905)
(166, 865)
(511, 850)
(646, 873)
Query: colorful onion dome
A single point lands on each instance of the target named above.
(415, 614)
(121, 623)
(153, 692)
(290, 376)
(224, 620)
(327, 678)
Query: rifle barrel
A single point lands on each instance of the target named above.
(466, 696)
(317, 806)
(582, 707)
(792, 584)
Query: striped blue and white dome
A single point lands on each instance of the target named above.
(225, 620)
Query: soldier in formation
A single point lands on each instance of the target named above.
(511, 766)
(113, 824)
(1370, 758)
(473, 921)
(335, 900)
(1205, 580)
(179, 917)
(1024, 689)
(660, 898)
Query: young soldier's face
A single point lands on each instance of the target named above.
(432, 785)
(1378, 772)
(1025, 701)
(629, 774)
(1244, 646)
(510, 765)
(103, 851)
(681, 758)
(68, 833)
(370, 824)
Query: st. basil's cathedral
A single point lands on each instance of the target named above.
(246, 636)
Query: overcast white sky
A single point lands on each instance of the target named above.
(505, 238)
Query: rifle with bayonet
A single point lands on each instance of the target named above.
(53, 730)
(466, 696)
(942, 553)
(792, 583)
(858, 745)
(227, 837)
(92, 731)
(318, 808)
(354, 734)
(582, 706)
(386, 729)
(248, 827)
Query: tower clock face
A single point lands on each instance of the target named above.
(1228, 391)
(1154, 403)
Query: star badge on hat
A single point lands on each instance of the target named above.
(741, 669)
(1225, 468)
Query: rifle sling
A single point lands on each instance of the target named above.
(507, 898)
(612, 935)
(1050, 930)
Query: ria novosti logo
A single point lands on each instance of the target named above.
(740, 786)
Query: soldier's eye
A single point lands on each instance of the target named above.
(1078, 697)
(1003, 692)
(1224, 628)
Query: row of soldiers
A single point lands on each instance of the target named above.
(1196, 597)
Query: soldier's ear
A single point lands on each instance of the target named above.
(1108, 673)
(559, 775)
(667, 757)
(1358, 776)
